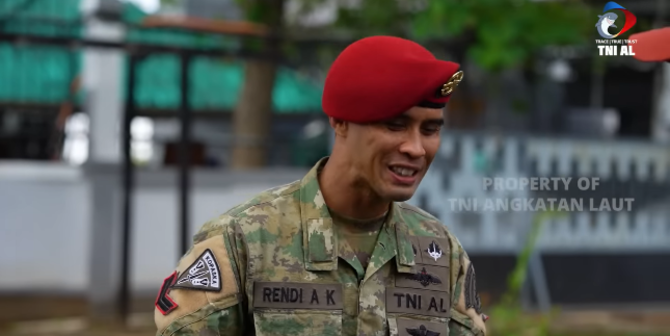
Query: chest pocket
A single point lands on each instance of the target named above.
(420, 302)
(408, 326)
(417, 312)
(297, 309)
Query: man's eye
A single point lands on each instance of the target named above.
(395, 126)
(431, 130)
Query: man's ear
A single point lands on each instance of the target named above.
(340, 126)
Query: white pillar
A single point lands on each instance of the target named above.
(102, 74)
(101, 81)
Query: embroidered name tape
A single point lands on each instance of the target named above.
(417, 301)
(287, 295)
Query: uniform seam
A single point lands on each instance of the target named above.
(233, 256)
(247, 267)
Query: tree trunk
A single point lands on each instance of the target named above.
(253, 114)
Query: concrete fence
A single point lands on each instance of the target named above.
(49, 214)
(60, 225)
(617, 197)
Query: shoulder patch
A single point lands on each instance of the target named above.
(203, 274)
(468, 302)
(471, 295)
(164, 302)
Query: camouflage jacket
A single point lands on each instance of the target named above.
(273, 266)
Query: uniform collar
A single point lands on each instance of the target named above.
(319, 239)
(405, 257)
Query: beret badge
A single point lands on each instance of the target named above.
(448, 87)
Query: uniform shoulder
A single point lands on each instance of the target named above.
(225, 221)
(416, 211)
(266, 196)
(420, 222)
(219, 264)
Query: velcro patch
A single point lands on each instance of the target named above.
(203, 274)
(425, 277)
(434, 251)
(164, 303)
(418, 301)
(286, 295)
(407, 327)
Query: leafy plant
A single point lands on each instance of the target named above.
(508, 317)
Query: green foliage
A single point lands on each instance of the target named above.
(170, 2)
(508, 317)
(506, 32)
(520, 106)
(262, 11)
(503, 33)
(375, 17)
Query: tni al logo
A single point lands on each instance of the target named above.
(608, 19)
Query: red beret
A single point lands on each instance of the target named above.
(652, 45)
(379, 77)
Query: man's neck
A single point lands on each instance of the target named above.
(346, 197)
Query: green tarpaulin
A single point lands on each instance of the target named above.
(42, 75)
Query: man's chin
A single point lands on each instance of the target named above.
(400, 194)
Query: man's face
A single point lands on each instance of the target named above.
(392, 157)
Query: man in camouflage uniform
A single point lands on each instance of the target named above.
(338, 252)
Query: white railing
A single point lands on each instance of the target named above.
(466, 160)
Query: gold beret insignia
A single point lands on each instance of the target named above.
(448, 87)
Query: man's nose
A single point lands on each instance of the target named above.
(413, 146)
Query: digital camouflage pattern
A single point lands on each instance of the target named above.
(357, 238)
(290, 276)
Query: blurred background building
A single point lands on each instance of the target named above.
(554, 108)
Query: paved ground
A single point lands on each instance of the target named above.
(44, 315)
(619, 322)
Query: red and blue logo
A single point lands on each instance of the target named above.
(608, 19)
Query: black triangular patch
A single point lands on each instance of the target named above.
(203, 274)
